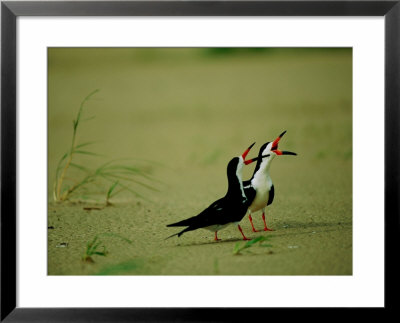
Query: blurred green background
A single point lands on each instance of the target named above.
(191, 110)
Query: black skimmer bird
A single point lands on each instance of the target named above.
(229, 209)
(260, 188)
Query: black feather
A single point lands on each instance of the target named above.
(231, 208)
(271, 195)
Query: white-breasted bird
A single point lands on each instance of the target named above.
(260, 184)
(229, 209)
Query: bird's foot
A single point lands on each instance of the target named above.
(254, 230)
(216, 237)
(265, 223)
(241, 231)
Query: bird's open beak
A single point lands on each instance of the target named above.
(244, 155)
(274, 147)
(276, 141)
(249, 161)
(247, 151)
(283, 152)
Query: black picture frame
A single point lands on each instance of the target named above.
(10, 10)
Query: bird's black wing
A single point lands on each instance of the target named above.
(194, 220)
(250, 192)
(271, 195)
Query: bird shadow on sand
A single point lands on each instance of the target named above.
(210, 242)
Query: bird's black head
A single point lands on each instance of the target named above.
(233, 165)
(264, 147)
(234, 172)
(269, 147)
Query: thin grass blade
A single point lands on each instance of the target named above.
(126, 188)
(112, 187)
(85, 144)
(80, 167)
(131, 180)
(84, 152)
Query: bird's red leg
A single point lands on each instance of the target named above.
(216, 238)
(241, 231)
(265, 224)
(251, 221)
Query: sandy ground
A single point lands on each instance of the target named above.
(186, 113)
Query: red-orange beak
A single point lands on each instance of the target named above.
(274, 147)
(249, 161)
(247, 151)
(276, 141)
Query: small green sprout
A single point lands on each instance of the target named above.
(238, 247)
(96, 246)
(109, 193)
(92, 248)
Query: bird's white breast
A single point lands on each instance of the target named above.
(262, 185)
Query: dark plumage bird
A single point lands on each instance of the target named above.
(229, 209)
(259, 189)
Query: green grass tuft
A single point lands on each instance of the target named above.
(239, 248)
(96, 247)
(117, 174)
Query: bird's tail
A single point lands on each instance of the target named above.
(182, 223)
(179, 233)
(176, 234)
